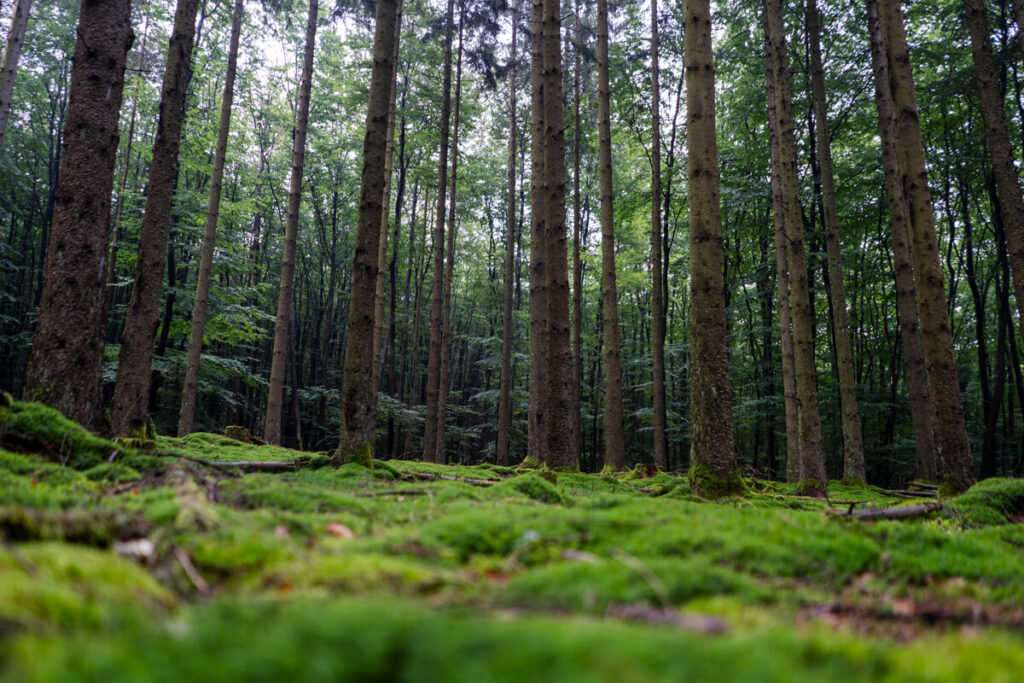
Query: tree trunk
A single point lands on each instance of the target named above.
(615, 440)
(9, 65)
(437, 286)
(853, 440)
(537, 446)
(657, 277)
(812, 461)
(713, 451)
(561, 424)
(275, 392)
(66, 363)
(129, 411)
(503, 445)
(186, 416)
(577, 265)
(956, 469)
(922, 414)
(1011, 204)
(440, 454)
(357, 400)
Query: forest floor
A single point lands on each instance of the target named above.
(121, 565)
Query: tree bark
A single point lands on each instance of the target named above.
(437, 286)
(187, 413)
(503, 445)
(922, 414)
(9, 65)
(615, 441)
(657, 276)
(853, 440)
(357, 401)
(713, 450)
(65, 366)
(561, 424)
(956, 469)
(1011, 204)
(577, 220)
(812, 461)
(537, 446)
(129, 411)
(275, 392)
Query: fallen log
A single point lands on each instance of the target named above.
(472, 482)
(922, 485)
(906, 493)
(249, 466)
(894, 513)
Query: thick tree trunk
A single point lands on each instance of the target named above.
(65, 367)
(782, 282)
(129, 411)
(503, 445)
(561, 424)
(187, 413)
(922, 414)
(956, 469)
(657, 276)
(537, 416)
(713, 451)
(853, 440)
(1011, 204)
(615, 441)
(440, 454)
(437, 286)
(357, 401)
(812, 461)
(9, 65)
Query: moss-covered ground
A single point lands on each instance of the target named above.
(119, 564)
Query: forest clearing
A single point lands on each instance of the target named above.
(176, 565)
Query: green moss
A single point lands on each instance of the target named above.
(96, 526)
(534, 485)
(241, 434)
(361, 456)
(113, 471)
(707, 484)
(812, 488)
(36, 428)
(989, 502)
(530, 462)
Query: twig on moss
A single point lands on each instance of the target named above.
(669, 617)
(248, 465)
(472, 482)
(893, 513)
(395, 492)
(191, 572)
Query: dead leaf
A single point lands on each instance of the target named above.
(281, 531)
(340, 530)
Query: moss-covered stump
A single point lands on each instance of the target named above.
(88, 526)
(36, 428)
(242, 434)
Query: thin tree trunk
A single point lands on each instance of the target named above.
(440, 454)
(537, 446)
(922, 414)
(853, 440)
(64, 370)
(1011, 204)
(812, 461)
(561, 424)
(577, 265)
(437, 286)
(275, 392)
(187, 413)
(657, 277)
(615, 441)
(414, 363)
(129, 411)
(503, 445)
(713, 450)
(9, 65)
(358, 404)
(956, 469)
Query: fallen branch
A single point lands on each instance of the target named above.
(922, 485)
(472, 482)
(191, 572)
(893, 513)
(396, 492)
(669, 617)
(912, 494)
(248, 465)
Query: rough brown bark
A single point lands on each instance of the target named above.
(812, 460)
(853, 440)
(278, 363)
(1011, 204)
(1018, 17)
(9, 65)
(955, 466)
(657, 277)
(922, 415)
(187, 413)
(577, 227)
(129, 410)
(782, 283)
(65, 367)
(358, 404)
(614, 436)
(503, 446)
(437, 286)
(440, 455)
(537, 446)
(561, 424)
(713, 445)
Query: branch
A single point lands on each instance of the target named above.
(894, 513)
